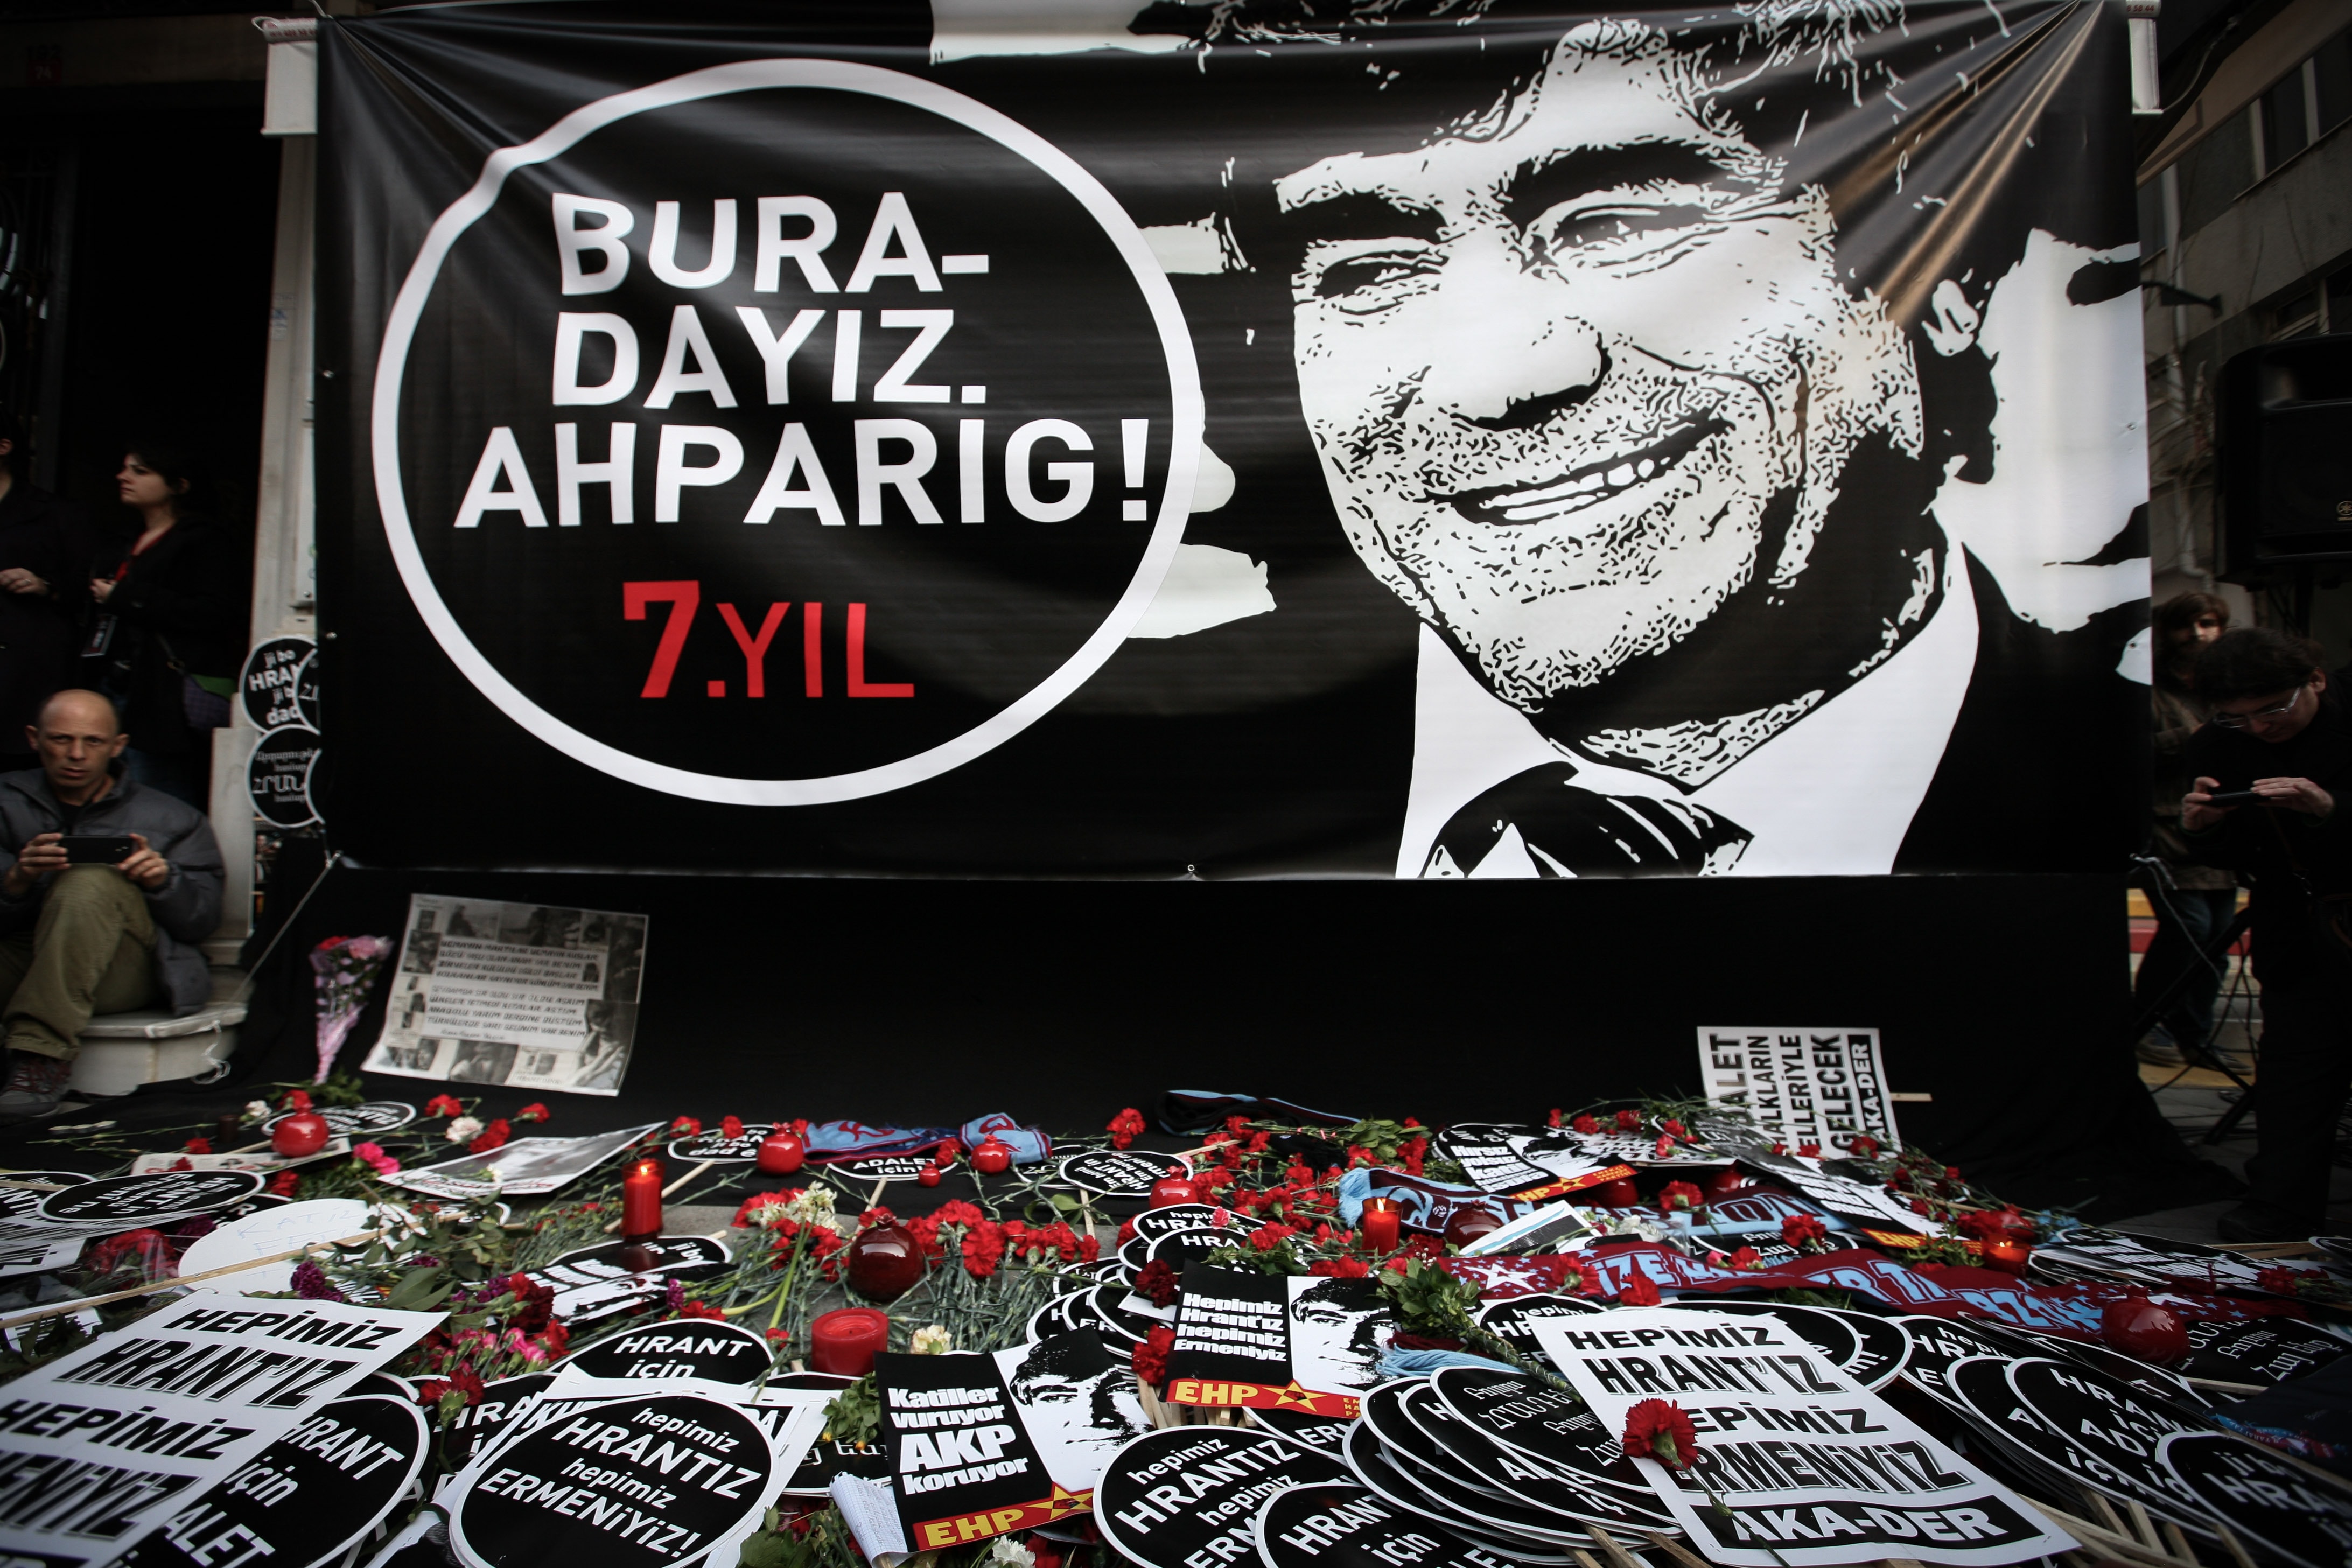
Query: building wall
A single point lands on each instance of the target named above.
(2268, 235)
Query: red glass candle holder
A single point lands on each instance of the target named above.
(884, 1262)
(1466, 1225)
(781, 1152)
(1380, 1223)
(1620, 1193)
(1171, 1189)
(992, 1158)
(301, 1135)
(640, 1202)
(2007, 1254)
(843, 1342)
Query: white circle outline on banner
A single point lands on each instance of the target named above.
(746, 76)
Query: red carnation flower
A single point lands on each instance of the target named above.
(1628, 1120)
(1866, 1148)
(1641, 1290)
(444, 1105)
(534, 1111)
(2278, 1280)
(1666, 1146)
(1675, 1128)
(494, 1136)
(1810, 1151)
(1150, 1359)
(296, 1099)
(1585, 1124)
(1747, 1257)
(1659, 1429)
(1158, 1284)
(730, 1127)
(1680, 1195)
(198, 1145)
(685, 1127)
(283, 1184)
(693, 1309)
(1801, 1230)
(1340, 1267)
(1124, 1127)
(1554, 1119)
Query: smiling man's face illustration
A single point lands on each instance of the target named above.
(1581, 370)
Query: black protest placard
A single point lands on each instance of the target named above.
(127, 1202)
(1936, 1343)
(1555, 1429)
(1446, 1459)
(1232, 1342)
(279, 684)
(1185, 1496)
(2110, 1423)
(1477, 1514)
(1508, 1320)
(965, 1468)
(307, 1498)
(370, 1120)
(2006, 1434)
(2303, 1515)
(604, 1281)
(278, 776)
(1343, 1525)
(645, 1481)
(2257, 1351)
(684, 1347)
(1120, 1173)
(716, 1143)
(1583, 1498)
(480, 1423)
(2154, 1382)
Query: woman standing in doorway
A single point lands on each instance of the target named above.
(170, 628)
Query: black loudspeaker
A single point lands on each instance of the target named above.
(2285, 452)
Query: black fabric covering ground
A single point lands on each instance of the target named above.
(1063, 1002)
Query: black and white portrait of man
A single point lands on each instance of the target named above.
(1340, 1328)
(1077, 1402)
(1760, 465)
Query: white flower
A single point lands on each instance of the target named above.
(464, 1130)
(931, 1339)
(256, 1111)
(1008, 1550)
(814, 1206)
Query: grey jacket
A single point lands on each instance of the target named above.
(186, 907)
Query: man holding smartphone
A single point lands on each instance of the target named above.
(2270, 768)
(104, 904)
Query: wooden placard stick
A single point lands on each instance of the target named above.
(1618, 1556)
(31, 1186)
(2091, 1535)
(80, 1303)
(687, 1177)
(2237, 1549)
(1674, 1548)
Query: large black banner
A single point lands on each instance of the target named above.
(1379, 439)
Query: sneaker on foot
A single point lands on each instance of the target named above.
(36, 1084)
(2158, 1051)
(2259, 1222)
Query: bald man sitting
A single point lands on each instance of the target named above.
(80, 937)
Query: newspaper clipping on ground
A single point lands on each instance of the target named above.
(529, 996)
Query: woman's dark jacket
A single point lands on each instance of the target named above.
(180, 611)
(39, 633)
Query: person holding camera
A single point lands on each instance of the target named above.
(2269, 770)
(103, 905)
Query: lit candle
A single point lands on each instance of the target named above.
(640, 1202)
(2007, 1254)
(1379, 1223)
(844, 1342)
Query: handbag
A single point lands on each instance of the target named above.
(204, 699)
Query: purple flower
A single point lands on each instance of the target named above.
(310, 1283)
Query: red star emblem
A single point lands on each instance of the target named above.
(1293, 1397)
(1063, 1504)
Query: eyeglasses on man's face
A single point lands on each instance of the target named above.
(2277, 710)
